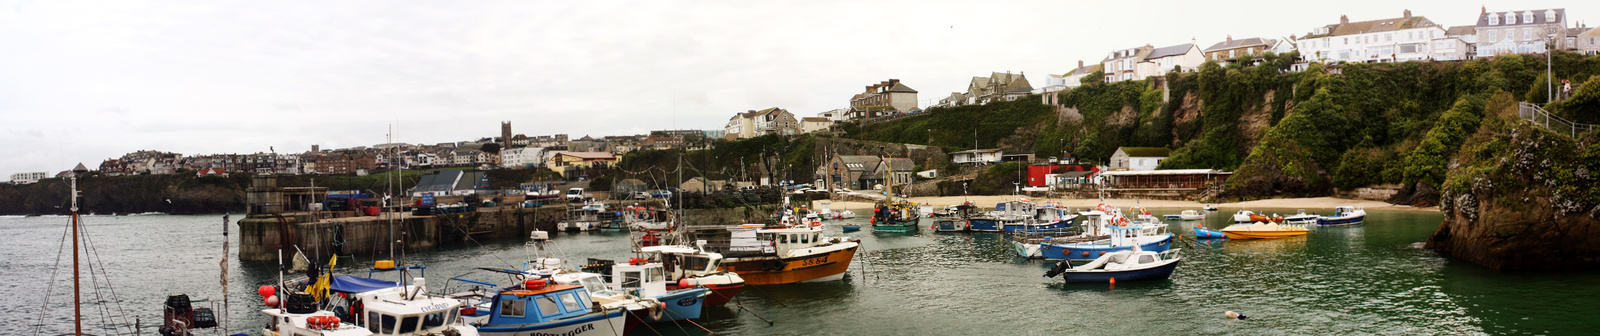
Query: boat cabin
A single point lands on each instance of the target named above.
(646, 279)
(791, 239)
(386, 308)
(322, 323)
(1341, 210)
(681, 262)
(538, 302)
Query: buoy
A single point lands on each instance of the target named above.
(272, 301)
(683, 283)
(1232, 314)
(1085, 253)
(266, 290)
(1113, 281)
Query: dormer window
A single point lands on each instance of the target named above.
(1494, 20)
(1527, 17)
(1511, 19)
(1549, 15)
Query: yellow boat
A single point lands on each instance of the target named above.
(1260, 230)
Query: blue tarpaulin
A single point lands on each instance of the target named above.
(353, 284)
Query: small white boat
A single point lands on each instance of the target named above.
(1187, 215)
(1301, 218)
(1209, 207)
(1127, 265)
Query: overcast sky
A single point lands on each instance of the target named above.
(83, 81)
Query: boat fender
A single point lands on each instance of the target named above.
(1233, 315)
(656, 309)
(1102, 252)
(1085, 253)
(775, 265)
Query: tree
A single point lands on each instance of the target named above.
(1097, 77)
(491, 148)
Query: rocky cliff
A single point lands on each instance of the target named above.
(1520, 197)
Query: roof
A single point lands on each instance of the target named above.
(815, 119)
(1085, 70)
(1145, 151)
(1461, 30)
(900, 87)
(590, 155)
(1538, 18)
(1591, 32)
(976, 151)
(1137, 53)
(901, 164)
(1239, 43)
(1383, 25)
(1176, 50)
(1165, 172)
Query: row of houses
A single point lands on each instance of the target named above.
(1398, 39)
(883, 99)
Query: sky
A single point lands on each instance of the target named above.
(84, 81)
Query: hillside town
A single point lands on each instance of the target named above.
(1403, 38)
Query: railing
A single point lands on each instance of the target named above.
(1539, 116)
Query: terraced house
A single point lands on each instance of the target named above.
(1406, 38)
(1520, 32)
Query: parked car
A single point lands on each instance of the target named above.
(661, 193)
(641, 195)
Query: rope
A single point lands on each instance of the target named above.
(641, 321)
(49, 290)
(95, 253)
(94, 282)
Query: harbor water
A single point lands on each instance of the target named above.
(1366, 279)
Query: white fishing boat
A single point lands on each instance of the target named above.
(1301, 217)
(1345, 215)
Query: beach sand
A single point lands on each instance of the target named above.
(1309, 204)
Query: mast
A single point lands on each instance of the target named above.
(77, 309)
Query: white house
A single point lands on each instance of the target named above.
(1138, 158)
(1451, 49)
(522, 157)
(976, 156)
(27, 178)
(1075, 78)
(1184, 57)
(1520, 32)
(1405, 38)
(1122, 65)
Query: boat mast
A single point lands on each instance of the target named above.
(77, 309)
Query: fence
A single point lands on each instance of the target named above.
(1541, 117)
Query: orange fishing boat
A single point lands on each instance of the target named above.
(1260, 230)
(790, 255)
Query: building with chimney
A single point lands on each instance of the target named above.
(1406, 38)
(1521, 31)
(885, 98)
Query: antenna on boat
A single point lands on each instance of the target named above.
(77, 308)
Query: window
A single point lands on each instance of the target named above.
(1527, 17)
(569, 302)
(547, 306)
(655, 275)
(1494, 20)
(1346, 40)
(1511, 34)
(816, 237)
(805, 239)
(634, 279)
(1388, 37)
(583, 297)
(1549, 15)
(510, 308)
(1492, 36)
(434, 320)
(408, 325)
(1446, 44)
(1145, 259)
(1511, 19)
(1527, 34)
(372, 322)
(1408, 48)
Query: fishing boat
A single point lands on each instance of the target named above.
(1011, 213)
(1301, 217)
(950, 224)
(764, 254)
(896, 217)
(850, 227)
(1247, 216)
(537, 307)
(1047, 218)
(1030, 244)
(647, 279)
(1209, 207)
(585, 218)
(299, 316)
(1203, 233)
(1128, 265)
(1261, 230)
(378, 305)
(1344, 215)
(693, 267)
(1105, 230)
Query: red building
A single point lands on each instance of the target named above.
(1036, 173)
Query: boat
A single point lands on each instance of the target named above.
(1301, 218)
(843, 214)
(538, 307)
(950, 224)
(585, 218)
(1247, 216)
(1105, 230)
(895, 217)
(1261, 230)
(1209, 207)
(692, 267)
(1203, 233)
(298, 315)
(764, 254)
(377, 305)
(648, 280)
(1128, 265)
(1186, 215)
(1030, 244)
(1046, 218)
(850, 227)
(1344, 215)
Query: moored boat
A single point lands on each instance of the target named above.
(900, 216)
(1260, 230)
(1105, 230)
(691, 267)
(1344, 215)
(949, 224)
(781, 255)
(536, 307)
(1301, 217)
(1247, 216)
(1128, 265)
(1203, 233)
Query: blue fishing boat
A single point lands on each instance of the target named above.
(984, 223)
(647, 280)
(1130, 265)
(950, 225)
(1008, 214)
(1048, 218)
(1345, 215)
(1105, 233)
(1203, 233)
(896, 217)
(536, 307)
(850, 227)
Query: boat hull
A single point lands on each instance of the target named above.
(1025, 250)
(1263, 234)
(1153, 273)
(896, 226)
(850, 228)
(950, 225)
(1092, 251)
(775, 271)
(1341, 221)
(720, 294)
(1209, 234)
(610, 324)
(1021, 227)
(683, 304)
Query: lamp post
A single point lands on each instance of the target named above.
(1549, 88)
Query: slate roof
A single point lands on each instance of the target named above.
(1461, 30)
(1084, 70)
(1145, 151)
(1239, 43)
(1375, 26)
(860, 162)
(977, 151)
(901, 87)
(590, 155)
(1538, 18)
(1170, 51)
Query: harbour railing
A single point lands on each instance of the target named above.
(1537, 115)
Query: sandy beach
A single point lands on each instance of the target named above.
(1309, 204)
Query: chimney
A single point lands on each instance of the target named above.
(1483, 10)
(1407, 15)
(1080, 63)
(1344, 19)
(1230, 38)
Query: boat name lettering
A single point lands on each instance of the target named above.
(437, 307)
(814, 261)
(573, 332)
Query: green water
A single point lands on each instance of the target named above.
(1367, 279)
